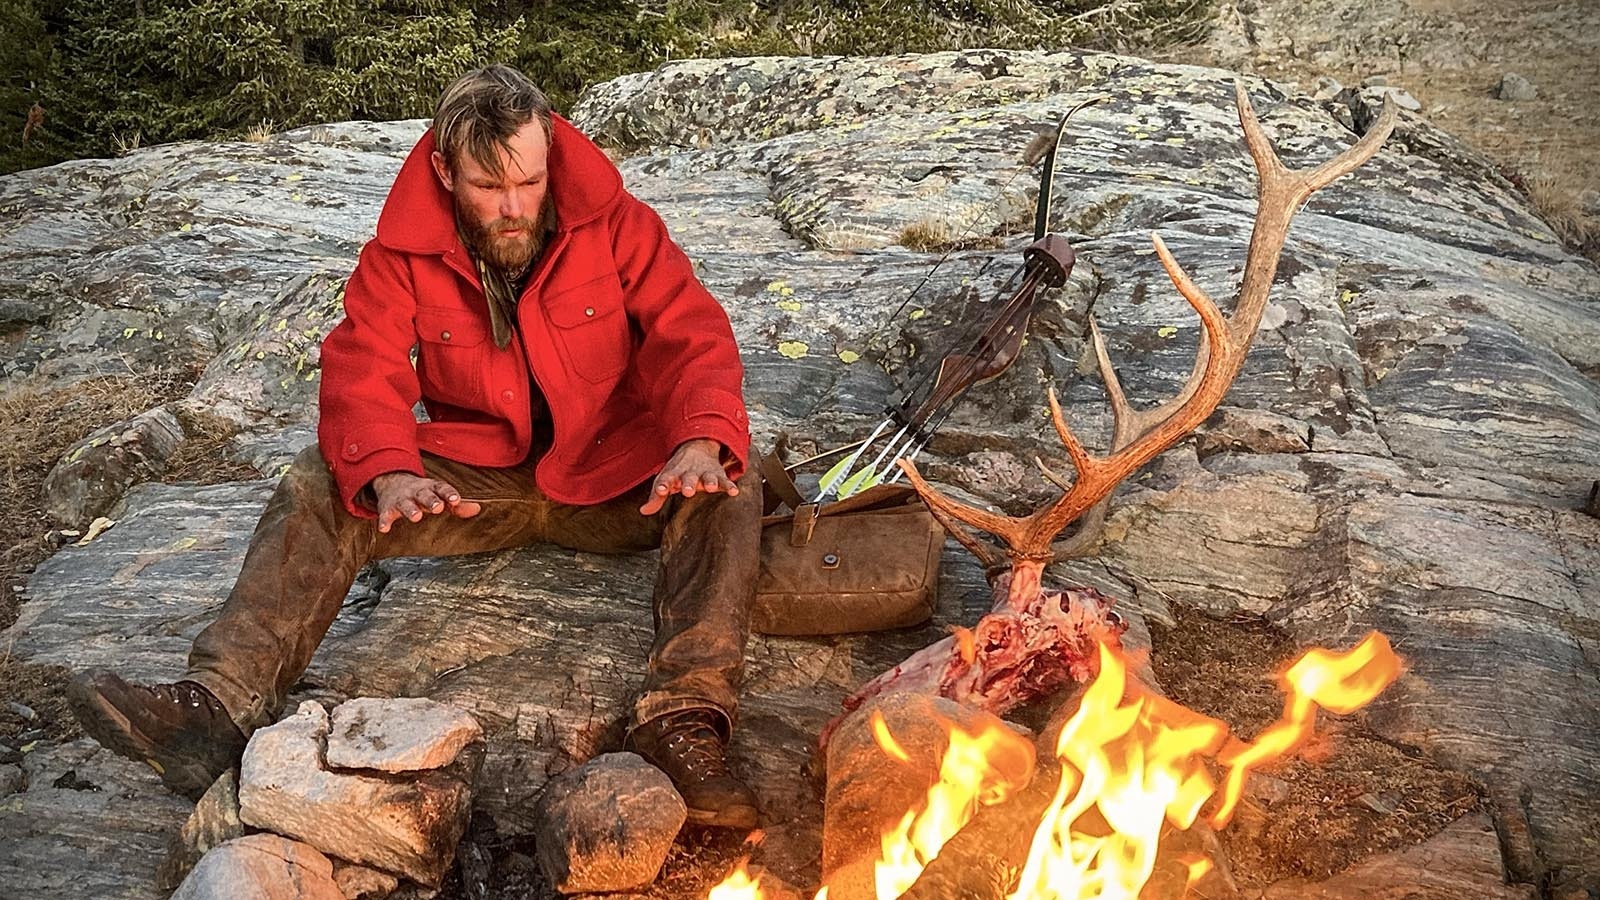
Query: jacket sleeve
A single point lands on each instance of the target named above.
(687, 355)
(369, 386)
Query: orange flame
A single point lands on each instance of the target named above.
(1132, 762)
(977, 769)
(739, 885)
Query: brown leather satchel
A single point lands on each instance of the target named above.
(866, 563)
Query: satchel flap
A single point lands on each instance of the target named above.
(882, 553)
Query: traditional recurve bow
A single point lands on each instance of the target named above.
(931, 397)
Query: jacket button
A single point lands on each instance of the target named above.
(444, 335)
(507, 396)
(588, 310)
(351, 449)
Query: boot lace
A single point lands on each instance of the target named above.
(184, 693)
(697, 749)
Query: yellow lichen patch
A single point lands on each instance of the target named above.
(917, 314)
(1167, 331)
(789, 305)
(793, 349)
(848, 356)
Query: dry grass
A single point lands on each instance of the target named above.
(1554, 194)
(937, 234)
(203, 456)
(261, 132)
(124, 144)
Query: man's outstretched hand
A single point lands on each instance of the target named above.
(402, 495)
(695, 466)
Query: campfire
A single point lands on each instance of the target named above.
(1133, 766)
(1085, 814)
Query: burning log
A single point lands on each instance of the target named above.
(984, 859)
(901, 754)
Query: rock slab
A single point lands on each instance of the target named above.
(607, 825)
(399, 734)
(261, 867)
(91, 477)
(1461, 861)
(409, 826)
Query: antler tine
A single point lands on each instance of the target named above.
(1124, 428)
(1271, 168)
(951, 514)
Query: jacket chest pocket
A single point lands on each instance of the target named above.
(592, 328)
(452, 347)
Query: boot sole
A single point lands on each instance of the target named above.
(101, 720)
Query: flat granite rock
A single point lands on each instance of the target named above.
(1406, 448)
(400, 734)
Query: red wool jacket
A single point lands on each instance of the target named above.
(633, 355)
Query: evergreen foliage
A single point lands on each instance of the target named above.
(115, 74)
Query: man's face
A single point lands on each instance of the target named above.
(502, 217)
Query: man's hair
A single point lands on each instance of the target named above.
(481, 110)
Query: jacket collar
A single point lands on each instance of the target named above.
(418, 216)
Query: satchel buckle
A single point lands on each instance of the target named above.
(805, 520)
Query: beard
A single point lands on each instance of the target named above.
(512, 254)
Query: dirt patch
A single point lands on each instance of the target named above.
(32, 704)
(1343, 797)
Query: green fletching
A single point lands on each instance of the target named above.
(836, 471)
(858, 482)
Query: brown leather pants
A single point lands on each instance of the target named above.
(307, 549)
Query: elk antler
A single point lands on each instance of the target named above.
(1138, 436)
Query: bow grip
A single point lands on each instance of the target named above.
(1053, 257)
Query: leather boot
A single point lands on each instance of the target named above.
(180, 729)
(689, 747)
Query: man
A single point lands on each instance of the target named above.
(582, 388)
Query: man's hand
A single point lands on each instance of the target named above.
(695, 466)
(404, 495)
